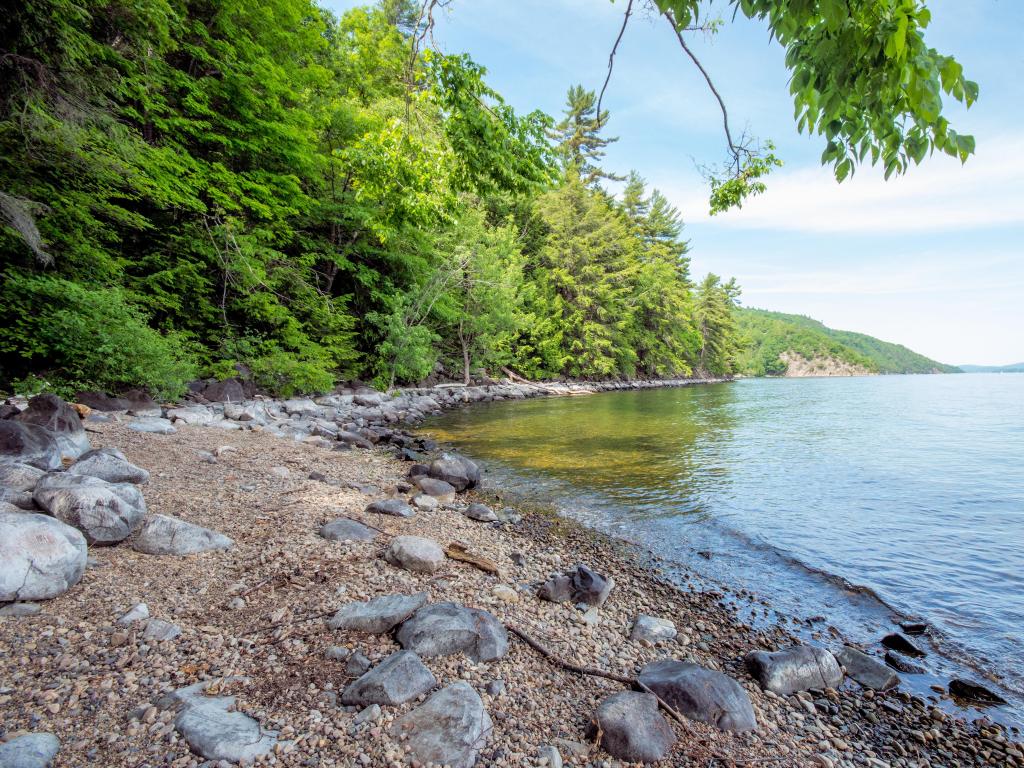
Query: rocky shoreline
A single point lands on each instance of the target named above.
(212, 594)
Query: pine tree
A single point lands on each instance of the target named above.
(579, 140)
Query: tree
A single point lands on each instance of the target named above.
(578, 137)
(716, 324)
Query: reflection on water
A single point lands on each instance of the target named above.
(910, 487)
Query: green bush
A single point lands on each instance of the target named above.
(75, 336)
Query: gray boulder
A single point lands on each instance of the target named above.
(17, 476)
(456, 470)
(162, 535)
(442, 629)
(701, 694)
(40, 557)
(448, 729)
(439, 489)
(344, 529)
(351, 438)
(632, 728)
(799, 668)
(393, 507)
(28, 444)
(153, 425)
(61, 420)
(18, 499)
(481, 513)
(414, 553)
(214, 730)
(580, 585)
(33, 750)
(652, 629)
(381, 614)
(867, 670)
(396, 680)
(196, 415)
(105, 512)
(108, 464)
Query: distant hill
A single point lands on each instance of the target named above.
(777, 344)
(1012, 368)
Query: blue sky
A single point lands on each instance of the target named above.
(932, 260)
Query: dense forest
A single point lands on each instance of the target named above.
(764, 336)
(192, 189)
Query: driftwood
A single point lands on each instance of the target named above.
(458, 551)
(517, 378)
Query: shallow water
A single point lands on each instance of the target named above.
(860, 500)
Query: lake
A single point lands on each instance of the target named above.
(851, 502)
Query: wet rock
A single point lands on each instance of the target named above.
(28, 444)
(799, 668)
(903, 664)
(17, 476)
(456, 470)
(415, 553)
(448, 729)
(439, 489)
(701, 694)
(159, 630)
(914, 627)
(867, 670)
(580, 585)
(965, 689)
(40, 556)
(632, 728)
(213, 730)
(33, 750)
(442, 629)
(481, 513)
(393, 507)
(652, 629)
(381, 614)
(396, 680)
(162, 535)
(344, 529)
(897, 642)
(108, 464)
(154, 426)
(138, 612)
(61, 420)
(105, 512)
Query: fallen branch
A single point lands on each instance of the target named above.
(458, 551)
(289, 622)
(579, 670)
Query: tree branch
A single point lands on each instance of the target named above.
(611, 57)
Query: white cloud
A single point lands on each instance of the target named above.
(938, 195)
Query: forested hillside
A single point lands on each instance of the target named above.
(765, 336)
(187, 189)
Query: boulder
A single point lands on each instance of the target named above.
(381, 614)
(701, 694)
(351, 438)
(40, 557)
(439, 489)
(897, 642)
(301, 406)
(196, 415)
(481, 513)
(105, 512)
(448, 729)
(368, 399)
(32, 750)
(456, 470)
(101, 401)
(652, 629)
(152, 425)
(867, 670)
(16, 476)
(396, 680)
(344, 529)
(226, 391)
(393, 507)
(28, 444)
(17, 499)
(108, 464)
(798, 668)
(632, 729)
(54, 415)
(213, 728)
(443, 629)
(415, 553)
(423, 501)
(580, 585)
(162, 535)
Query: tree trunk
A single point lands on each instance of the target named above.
(465, 356)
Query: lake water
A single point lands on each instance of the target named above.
(851, 501)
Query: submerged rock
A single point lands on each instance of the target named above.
(40, 557)
(108, 464)
(33, 750)
(799, 668)
(162, 535)
(701, 694)
(903, 664)
(632, 728)
(396, 680)
(448, 729)
(442, 629)
(105, 512)
(381, 614)
(867, 670)
(965, 689)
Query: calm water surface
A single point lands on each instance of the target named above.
(860, 500)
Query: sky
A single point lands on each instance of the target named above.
(933, 260)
